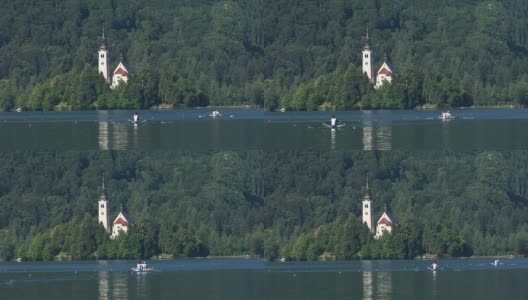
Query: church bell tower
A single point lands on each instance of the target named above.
(104, 217)
(104, 67)
(368, 218)
(368, 68)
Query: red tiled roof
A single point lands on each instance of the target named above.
(385, 72)
(121, 72)
(386, 222)
(121, 222)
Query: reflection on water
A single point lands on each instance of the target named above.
(251, 279)
(141, 285)
(248, 130)
(367, 286)
(103, 136)
(104, 288)
(377, 137)
(135, 138)
(434, 289)
(332, 138)
(445, 134)
(113, 285)
(120, 286)
(367, 135)
(116, 136)
(384, 285)
(384, 137)
(376, 285)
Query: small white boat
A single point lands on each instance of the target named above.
(144, 270)
(446, 115)
(496, 263)
(339, 125)
(434, 267)
(142, 267)
(215, 114)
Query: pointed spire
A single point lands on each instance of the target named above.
(367, 41)
(367, 192)
(103, 191)
(103, 40)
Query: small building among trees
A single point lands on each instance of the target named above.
(385, 223)
(121, 72)
(385, 73)
(120, 75)
(121, 222)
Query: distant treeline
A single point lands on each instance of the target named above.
(302, 205)
(298, 55)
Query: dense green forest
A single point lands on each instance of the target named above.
(299, 55)
(302, 205)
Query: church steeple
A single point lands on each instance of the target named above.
(367, 41)
(367, 66)
(103, 40)
(103, 216)
(104, 66)
(368, 218)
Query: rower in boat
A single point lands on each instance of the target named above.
(135, 118)
(333, 122)
(446, 115)
(496, 262)
(434, 266)
(215, 114)
(141, 266)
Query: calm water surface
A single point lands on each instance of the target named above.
(254, 279)
(252, 129)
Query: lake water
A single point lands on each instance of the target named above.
(254, 279)
(252, 129)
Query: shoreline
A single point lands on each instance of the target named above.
(250, 256)
(171, 107)
(248, 106)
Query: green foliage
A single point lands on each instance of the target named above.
(263, 53)
(268, 204)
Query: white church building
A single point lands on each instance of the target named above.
(385, 223)
(385, 73)
(121, 222)
(121, 72)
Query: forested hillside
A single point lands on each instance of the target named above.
(299, 204)
(302, 55)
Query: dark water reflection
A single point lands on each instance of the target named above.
(250, 129)
(252, 279)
